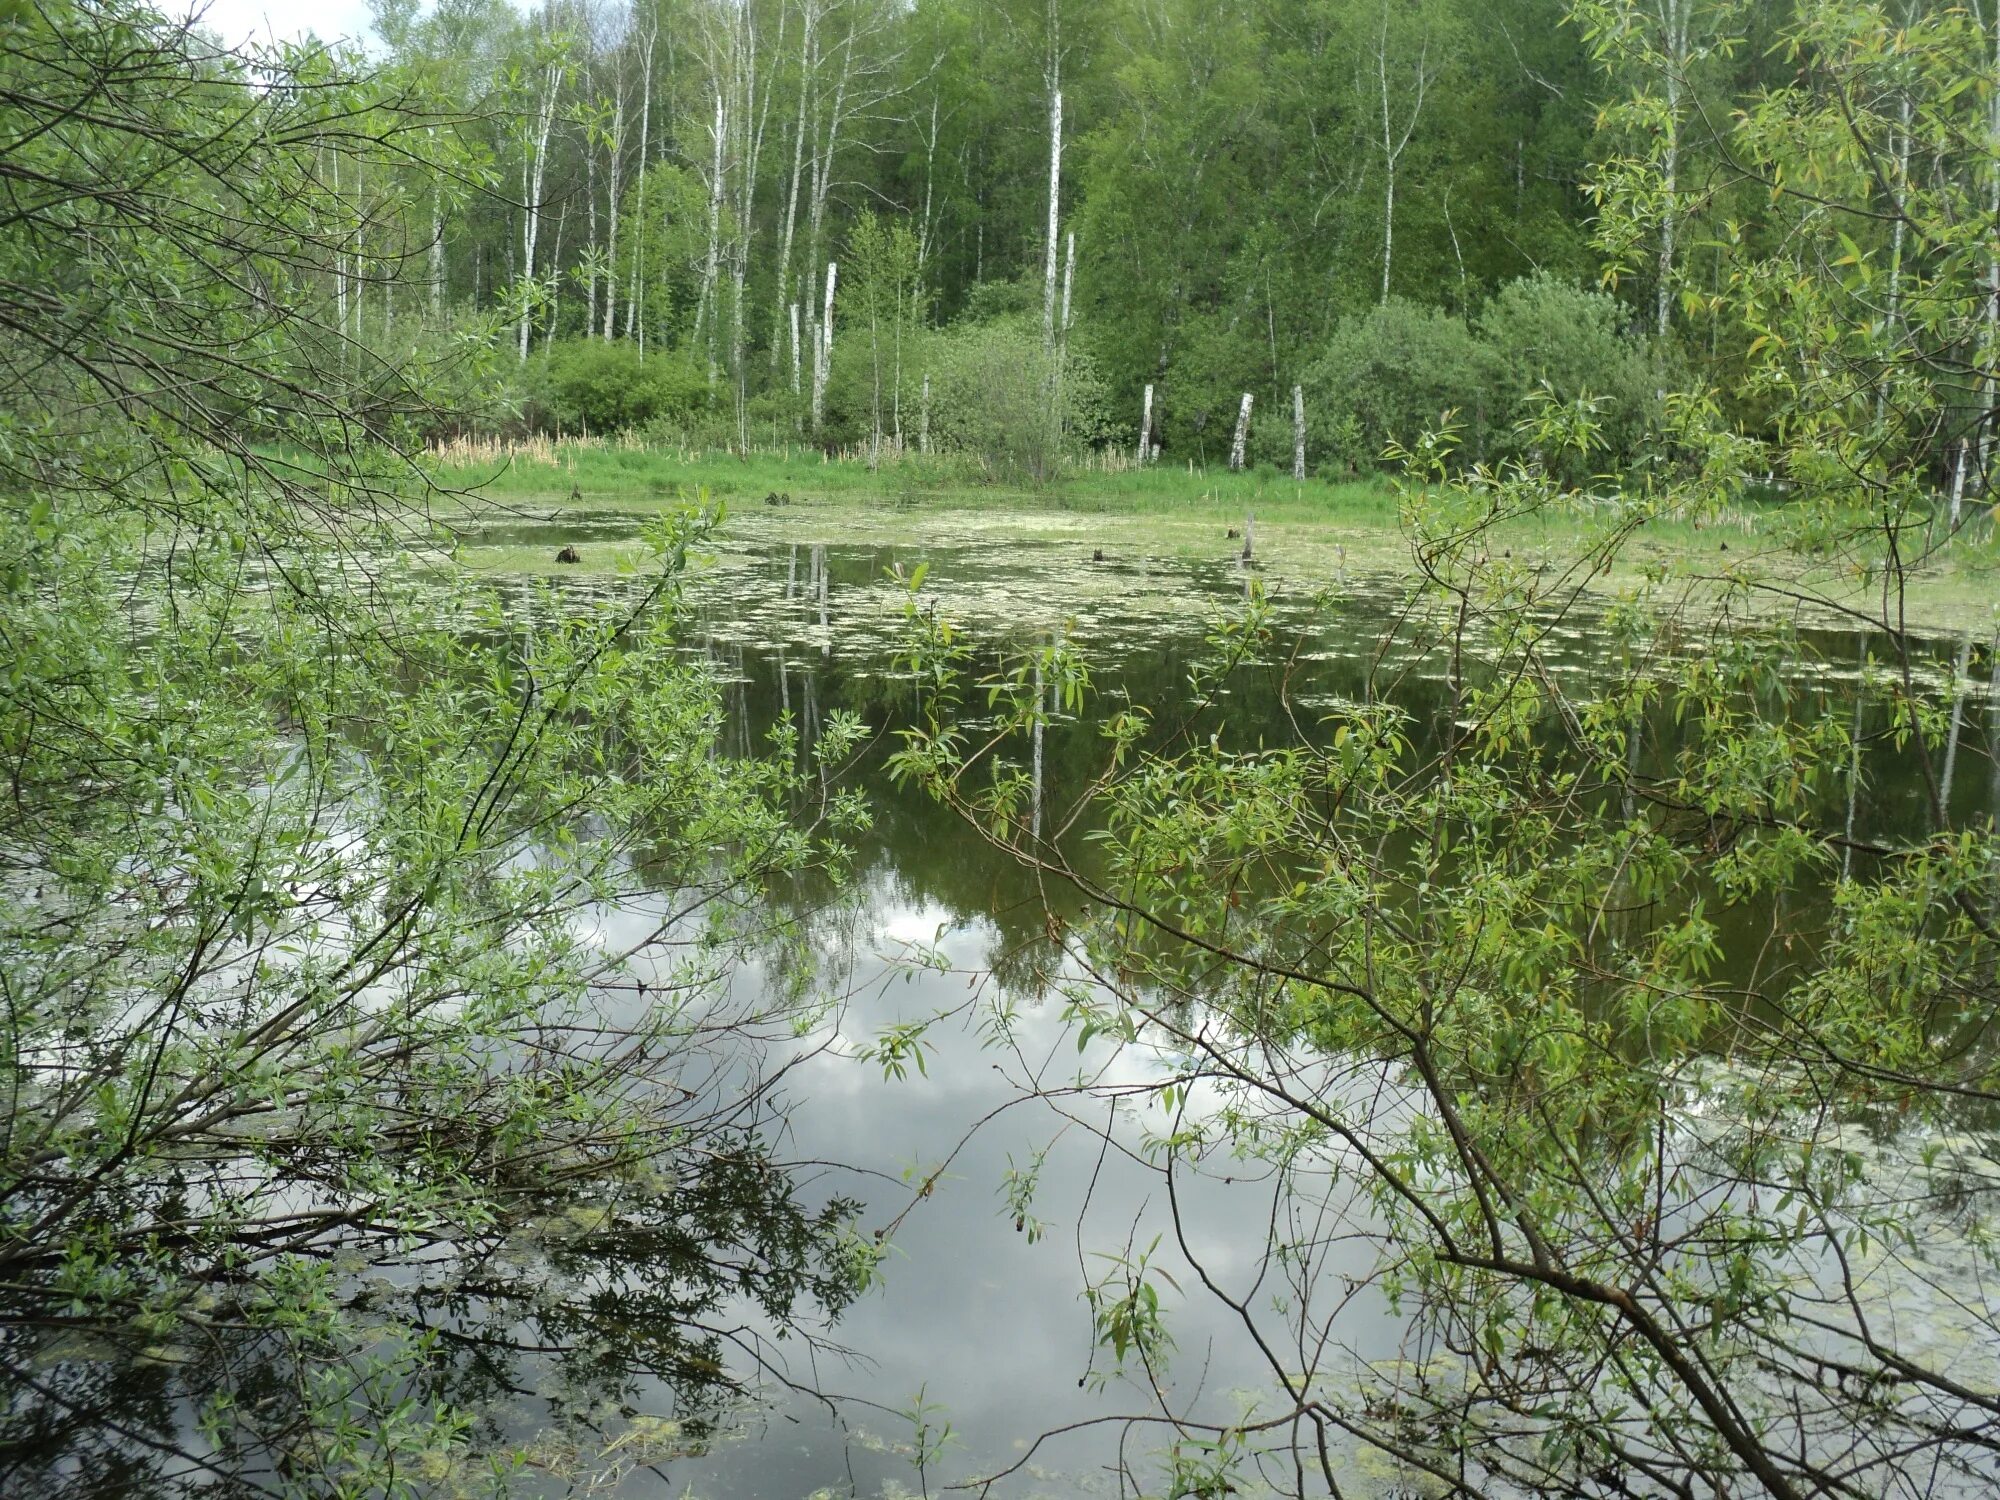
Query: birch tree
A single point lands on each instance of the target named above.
(1401, 86)
(542, 82)
(1653, 47)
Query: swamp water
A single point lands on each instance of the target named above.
(981, 1327)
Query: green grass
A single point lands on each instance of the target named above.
(607, 477)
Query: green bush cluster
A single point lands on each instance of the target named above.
(603, 385)
(998, 396)
(1400, 370)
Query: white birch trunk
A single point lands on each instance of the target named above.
(1392, 146)
(930, 160)
(635, 286)
(435, 253)
(615, 195)
(590, 243)
(555, 284)
(1957, 720)
(1299, 433)
(924, 418)
(534, 173)
(1236, 448)
(1055, 210)
(1146, 429)
(823, 355)
(808, 75)
(1674, 24)
(1069, 282)
(1958, 480)
(753, 112)
(705, 311)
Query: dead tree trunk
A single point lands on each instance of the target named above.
(1146, 429)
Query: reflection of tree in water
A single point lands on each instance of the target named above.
(595, 1321)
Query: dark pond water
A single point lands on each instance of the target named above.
(979, 1325)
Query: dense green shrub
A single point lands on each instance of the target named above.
(1541, 336)
(990, 399)
(602, 385)
(1396, 372)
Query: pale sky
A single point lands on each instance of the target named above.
(236, 21)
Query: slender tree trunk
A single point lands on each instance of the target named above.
(705, 310)
(924, 418)
(1958, 480)
(1675, 18)
(1242, 440)
(753, 107)
(808, 75)
(635, 286)
(925, 227)
(435, 252)
(1854, 761)
(826, 145)
(534, 171)
(590, 244)
(1392, 145)
(339, 263)
(1146, 429)
(1055, 210)
(1958, 680)
(1991, 415)
(555, 283)
(1069, 283)
(613, 204)
(1388, 224)
(875, 369)
(1299, 433)
(823, 357)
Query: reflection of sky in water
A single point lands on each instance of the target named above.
(991, 1329)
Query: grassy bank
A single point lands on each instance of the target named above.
(1309, 533)
(609, 476)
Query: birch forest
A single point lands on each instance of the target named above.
(797, 213)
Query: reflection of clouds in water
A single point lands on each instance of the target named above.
(992, 1328)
